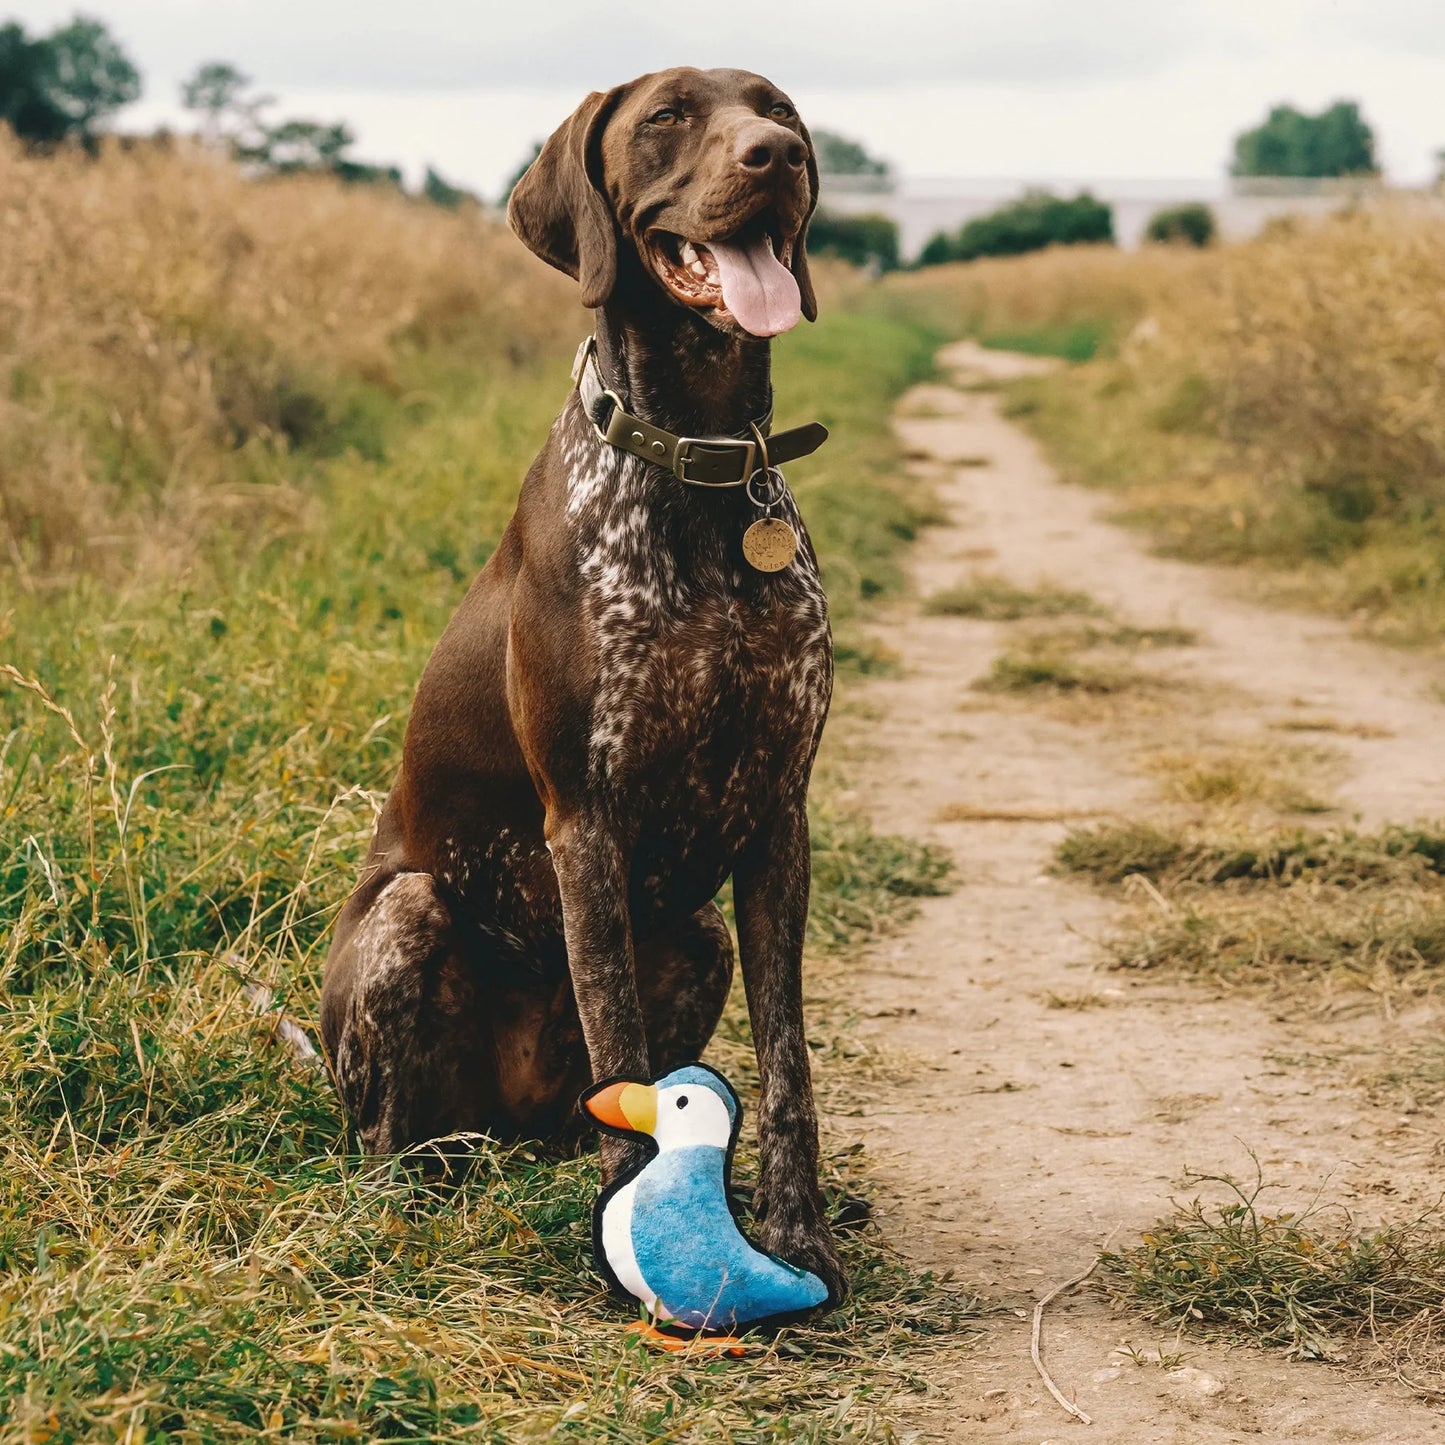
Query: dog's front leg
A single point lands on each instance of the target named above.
(591, 868)
(770, 888)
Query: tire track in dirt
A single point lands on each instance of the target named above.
(1031, 1125)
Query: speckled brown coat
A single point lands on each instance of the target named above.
(621, 715)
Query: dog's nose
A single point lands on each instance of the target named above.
(765, 151)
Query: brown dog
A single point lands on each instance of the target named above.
(623, 712)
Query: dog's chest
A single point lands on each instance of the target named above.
(711, 681)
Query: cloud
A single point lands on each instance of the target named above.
(452, 44)
(1409, 27)
(1017, 87)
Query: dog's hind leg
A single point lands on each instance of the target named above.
(399, 1016)
(683, 977)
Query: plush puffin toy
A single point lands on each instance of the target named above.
(665, 1233)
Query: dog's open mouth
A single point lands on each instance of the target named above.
(744, 276)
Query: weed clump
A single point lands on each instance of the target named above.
(1087, 662)
(1041, 669)
(995, 599)
(1306, 1282)
(1285, 906)
(1276, 777)
(1280, 858)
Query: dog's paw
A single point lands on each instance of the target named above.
(811, 1248)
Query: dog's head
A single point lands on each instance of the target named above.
(706, 176)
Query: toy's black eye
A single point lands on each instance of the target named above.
(781, 111)
(667, 116)
(682, 1102)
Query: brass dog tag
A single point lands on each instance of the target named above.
(770, 544)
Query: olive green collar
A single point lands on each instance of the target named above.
(699, 461)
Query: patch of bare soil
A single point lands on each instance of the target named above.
(1055, 1100)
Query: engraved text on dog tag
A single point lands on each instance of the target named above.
(770, 544)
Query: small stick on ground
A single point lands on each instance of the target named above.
(1035, 1352)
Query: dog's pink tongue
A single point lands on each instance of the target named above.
(757, 288)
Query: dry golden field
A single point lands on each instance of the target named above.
(170, 330)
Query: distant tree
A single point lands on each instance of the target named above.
(441, 192)
(1191, 224)
(231, 115)
(93, 76)
(839, 156)
(870, 240)
(521, 171)
(1336, 142)
(217, 92)
(1037, 219)
(214, 89)
(63, 84)
(366, 173)
(26, 105)
(302, 145)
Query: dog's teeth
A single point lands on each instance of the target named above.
(698, 269)
(689, 254)
(769, 240)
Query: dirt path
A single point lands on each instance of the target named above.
(1034, 1126)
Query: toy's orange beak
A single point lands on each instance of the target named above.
(625, 1106)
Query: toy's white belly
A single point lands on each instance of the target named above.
(617, 1246)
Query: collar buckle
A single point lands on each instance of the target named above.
(714, 461)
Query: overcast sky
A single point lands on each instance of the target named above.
(1053, 89)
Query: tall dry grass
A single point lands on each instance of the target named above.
(169, 331)
(1322, 351)
(1048, 290)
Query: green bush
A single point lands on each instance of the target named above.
(869, 240)
(1337, 142)
(1190, 224)
(1036, 220)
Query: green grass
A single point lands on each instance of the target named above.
(1073, 340)
(1307, 1282)
(845, 372)
(189, 767)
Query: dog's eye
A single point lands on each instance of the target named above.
(665, 117)
(781, 112)
(682, 1102)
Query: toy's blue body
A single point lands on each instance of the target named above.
(694, 1258)
(666, 1234)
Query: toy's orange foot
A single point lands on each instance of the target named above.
(705, 1345)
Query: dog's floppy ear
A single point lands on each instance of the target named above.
(559, 209)
(800, 270)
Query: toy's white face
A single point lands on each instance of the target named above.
(689, 1115)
